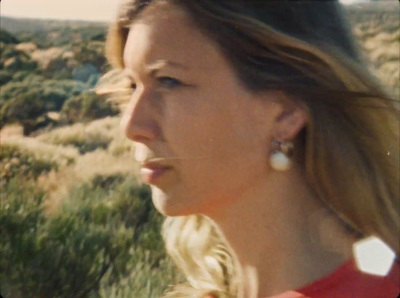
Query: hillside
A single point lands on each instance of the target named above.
(16, 25)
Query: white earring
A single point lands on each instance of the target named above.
(280, 158)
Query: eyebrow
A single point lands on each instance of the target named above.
(154, 67)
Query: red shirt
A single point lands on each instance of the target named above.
(349, 282)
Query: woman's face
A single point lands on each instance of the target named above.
(202, 138)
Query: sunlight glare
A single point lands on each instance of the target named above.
(373, 256)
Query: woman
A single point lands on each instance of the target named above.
(265, 142)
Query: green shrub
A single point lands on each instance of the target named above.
(92, 32)
(41, 86)
(15, 60)
(20, 62)
(9, 51)
(84, 72)
(82, 137)
(58, 69)
(28, 102)
(5, 77)
(99, 37)
(24, 109)
(22, 75)
(92, 53)
(144, 281)
(21, 223)
(14, 163)
(64, 256)
(104, 237)
(85, 107)
(7, 37)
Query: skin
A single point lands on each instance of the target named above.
(190, 112)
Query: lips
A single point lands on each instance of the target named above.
(151, 173)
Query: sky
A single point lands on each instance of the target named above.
(91, 10)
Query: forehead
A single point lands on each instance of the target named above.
(167, 33)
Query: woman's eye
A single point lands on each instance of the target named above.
(169, 82)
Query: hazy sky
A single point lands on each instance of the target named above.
(93, 10)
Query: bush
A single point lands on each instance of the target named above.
(28, 102)
(65, 256)
(22, 108)
(8, 51)
(15, 163)
(14, 60)
(22, 75)
(105, 229)
(7, 37)
(39, 85)
(58, 69)
(99, 37)
(85, 138)
(143, 280)
(85, 107)
(84, 72)
(51, 154)
(92, 53)
(5, 77)
(21, 222)
(20, 62)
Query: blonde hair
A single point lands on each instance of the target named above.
(351, 141)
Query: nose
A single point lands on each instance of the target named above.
(138, 121)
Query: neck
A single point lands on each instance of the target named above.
(283, 236)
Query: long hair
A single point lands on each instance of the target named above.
(351, 140)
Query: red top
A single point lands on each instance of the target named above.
(349, 282)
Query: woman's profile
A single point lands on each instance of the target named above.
(266, 143)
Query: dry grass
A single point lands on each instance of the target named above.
(103, 133)
(44, 57)
(75, 168)
(63, 156)
(58, 184)
(11, 130)
(117, 158)
(99, 131)
(378, 32)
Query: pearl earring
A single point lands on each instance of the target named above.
(280, 158)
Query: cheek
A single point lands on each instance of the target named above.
(221, 152)
(190, 127)
(223, 157)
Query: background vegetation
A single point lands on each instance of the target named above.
(75, 221)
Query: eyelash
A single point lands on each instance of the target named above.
(169, 82)
(165, 82)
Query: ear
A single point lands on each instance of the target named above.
(290, 120)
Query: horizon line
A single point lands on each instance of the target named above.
(55, 19)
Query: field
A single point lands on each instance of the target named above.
(75, 219)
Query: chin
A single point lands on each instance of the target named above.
(169, 205)
(166, 210)
(162, 202)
